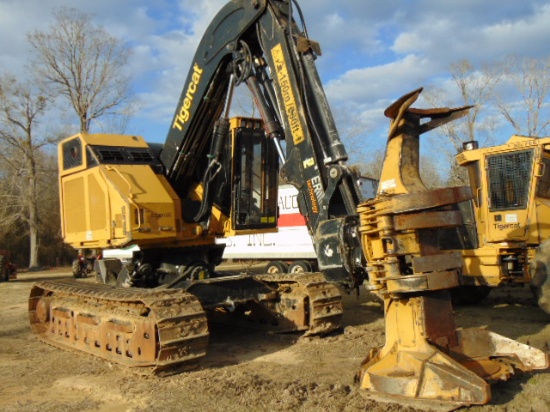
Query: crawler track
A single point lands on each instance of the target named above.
(308, 300)
(154, 331)
(165, 331)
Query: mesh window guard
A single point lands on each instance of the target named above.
(72, 154)
(509, 176)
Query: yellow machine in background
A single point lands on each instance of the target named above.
(506, 229)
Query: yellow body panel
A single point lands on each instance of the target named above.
(116, 205)
(483, 261)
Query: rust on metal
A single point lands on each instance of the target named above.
(304, 302)
(440, 262)
(427, 220)
(154, 331)
(422, 282)
(166, 330)
(428, 199)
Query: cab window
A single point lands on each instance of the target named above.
(72, 154)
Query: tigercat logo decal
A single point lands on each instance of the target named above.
(160, 215)
(288, 96)
(183, 115)
(504, 226)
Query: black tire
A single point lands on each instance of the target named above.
(89, 267)
(77, 273)
(299, 266)
(276, 267)
(469, 294)
(540, 281)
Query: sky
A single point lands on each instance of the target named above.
(373, 51)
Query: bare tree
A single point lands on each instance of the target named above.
(528, 115)
(20, 109)
(354, 132)
(52, 251)
(372, 167)
(84, 64)
(476, 88)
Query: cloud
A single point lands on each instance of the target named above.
(165, 60)
(478, 31)
(373, 51)
(523, 37)
(381, 82)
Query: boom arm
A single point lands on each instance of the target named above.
(423, 351)
(259, 43)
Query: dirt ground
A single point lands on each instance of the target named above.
(247, 370)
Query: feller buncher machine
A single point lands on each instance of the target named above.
(216, 177)
(506, 232)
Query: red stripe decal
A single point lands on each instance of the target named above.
(291, 219)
